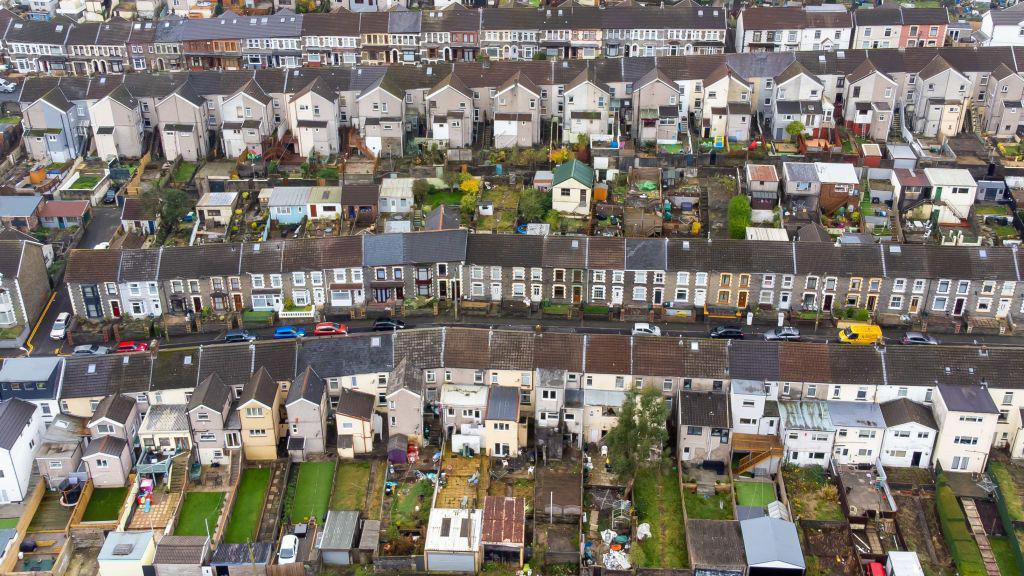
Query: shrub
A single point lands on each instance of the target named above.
(739, 217)
(470, 186)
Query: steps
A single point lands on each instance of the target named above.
(896, 128)
(236, 467)
(978, 529)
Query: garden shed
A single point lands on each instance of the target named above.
(338, 537)
(453, 540)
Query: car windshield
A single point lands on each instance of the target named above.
(287, 552)
(58, 324)
(848, 332)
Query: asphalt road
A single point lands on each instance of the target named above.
(101, 229)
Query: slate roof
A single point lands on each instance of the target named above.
(974, 399)
(505, 250)
(277, 358)
(903, 410)
(261, 388)
(646, 254)
(443, 217)
(91, 376)
(308, 385)
(715, 544)
(105, 445)
(710, 409)
(356, 404)
(503, 403)
(115, 407)
(340, 356)
(15, 415)
(465, 347)
(11, 252)
(177, 368)
(231, 363)
(211, 393)
(181, 550)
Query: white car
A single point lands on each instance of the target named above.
(289, 549)
(7, 86)
(101, 246)
(60, 326)
(645, 329)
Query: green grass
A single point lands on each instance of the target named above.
(259, 317)
(991, 210)
(403, 508)
(851, 313)
(961, 543)
(754, 493)
(717, 507)
(595, 309)
(811, 495)
(10, 120)
(658, 502)
(85, 183)
(245, 515)
(1005, 231)
(350, 485)
(1003, 550)
(200, 509)
(104, 504)
(312, 491)
(10, 333)
(442, 196)
(8, 523)
(555, 308)
(184, 172)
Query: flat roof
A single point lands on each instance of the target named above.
(836, 173)
(125, 546)
(217, 199)
(463, 395)
(949, 177)
(856, 414)
(806, 415)
(454, 530)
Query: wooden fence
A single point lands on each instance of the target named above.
(134, 186)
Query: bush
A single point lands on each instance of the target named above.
(470, 186)
(534, 204)
(468, 205)
(739, 217)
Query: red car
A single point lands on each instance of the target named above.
(328, 328)
(130, 346)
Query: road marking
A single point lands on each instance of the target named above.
(28, 343)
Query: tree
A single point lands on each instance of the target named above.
(794, 128)
(468, 205)
(561, 155)
(640, 433)
(452, 179)
(420, 190)
(739, 217)
(171, 204)
(534, 204)
(470, 186)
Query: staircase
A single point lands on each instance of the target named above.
(417, 219)
(178, 473)
(896, 128)
(236, 467)
(873, 540)
(978, 529)
(760, 448)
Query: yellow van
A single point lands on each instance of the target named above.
(861, 334)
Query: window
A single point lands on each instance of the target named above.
(255, 412)
(258, 433)
(694, 430)
(103, 429)
(102, 463)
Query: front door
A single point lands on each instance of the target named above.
(1004, 308)
(958, 306)
(915, 460)
(915, 304)
(197, 304)
(872, 299)
(784, 301)
(741, 302)
(826, 302)
(115, 308)
(312, 210)
(442, 289)
(616, 294)
(496, 291)
(237, 298)
(577, 294)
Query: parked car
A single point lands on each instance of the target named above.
(130, 346)
(239, 336)
(327, 328)
(90, 350)
(782, 333)
(286, 332)
(101, 246)
(918, 338)
(289, 549)
(386, 324)
(60, 326)
(645, 329)
(7, 86)
(728, 332)
(110, 197)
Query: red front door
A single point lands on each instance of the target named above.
(115, 308)
(312, 210)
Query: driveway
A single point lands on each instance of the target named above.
(105, 219)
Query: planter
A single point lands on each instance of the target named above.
(841, 324)
(417, 312)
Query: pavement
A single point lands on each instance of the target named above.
(101, 229)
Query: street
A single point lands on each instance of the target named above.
(105, 220)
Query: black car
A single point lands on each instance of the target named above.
(110, 197)
(239, 336)
(387, 324)
(730, 332)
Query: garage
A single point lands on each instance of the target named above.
(453, 540)
(338, 536)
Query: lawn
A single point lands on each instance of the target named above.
(85, 183)
(754, 493)
(350, 484)
(403, 508)
(312, 491)
(1003, 551)
(10, 333)
(199, 512)
(442, 196)
(184, 172)
(657, 499)
(245, 515)
(961, 543)
(991, 210)
(8, 523)
(506, 209)
(811, 495)
(104, 504)
(700, 507)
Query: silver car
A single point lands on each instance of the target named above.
(89, 350)
(782, 333)
(919, 338)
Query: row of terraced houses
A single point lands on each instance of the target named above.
(916, 93)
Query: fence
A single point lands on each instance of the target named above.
(134, 185)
